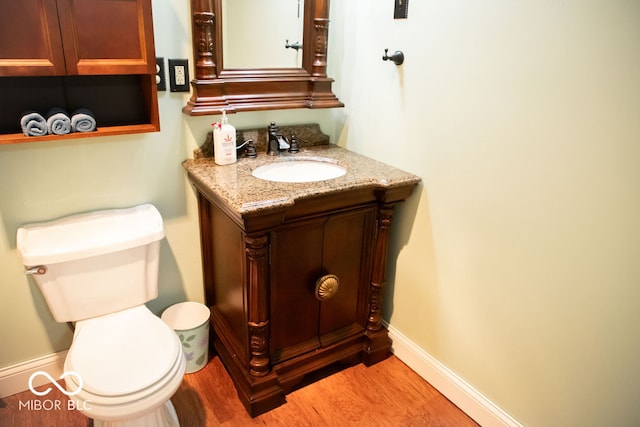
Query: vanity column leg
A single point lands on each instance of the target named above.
(257, 297)
(377, 344)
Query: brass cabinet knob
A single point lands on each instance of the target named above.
(326, 287)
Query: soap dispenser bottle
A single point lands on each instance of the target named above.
(224, 142)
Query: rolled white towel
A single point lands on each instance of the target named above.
(33, 124)
(58, 122)
(82, 120)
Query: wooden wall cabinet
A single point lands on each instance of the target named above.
(270, 326)
(47, 46)
(30, 40)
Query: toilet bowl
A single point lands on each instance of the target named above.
(130, 364)
(98, 270)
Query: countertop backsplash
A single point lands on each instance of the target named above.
(308, 135)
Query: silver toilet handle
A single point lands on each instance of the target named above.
(37, 270)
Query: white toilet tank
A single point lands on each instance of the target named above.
(96, 263)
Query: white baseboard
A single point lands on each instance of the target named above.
(15, 379)
(454, 388)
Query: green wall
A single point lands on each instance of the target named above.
(518, 264)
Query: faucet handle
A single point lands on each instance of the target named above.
(250, 151)
(294, 147)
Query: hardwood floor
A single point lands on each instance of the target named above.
(346, 398)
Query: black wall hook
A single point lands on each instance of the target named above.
(397, 57)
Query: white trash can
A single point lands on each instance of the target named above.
(190, 320)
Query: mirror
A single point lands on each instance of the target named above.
(238, 85)
(268, 26)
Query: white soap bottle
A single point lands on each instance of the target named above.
(224, 142)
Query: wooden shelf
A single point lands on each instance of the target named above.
(121, 104)
(17, 138)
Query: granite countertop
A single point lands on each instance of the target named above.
(246, 194)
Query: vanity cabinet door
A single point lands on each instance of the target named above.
(30, 43)
(296, 263)
(347, 254)
(302, 253)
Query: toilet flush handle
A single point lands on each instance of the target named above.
(38, 269)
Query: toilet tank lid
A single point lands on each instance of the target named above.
(89, 234)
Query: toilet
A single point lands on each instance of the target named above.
(97, 270)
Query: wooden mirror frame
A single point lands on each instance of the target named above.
(215, 88)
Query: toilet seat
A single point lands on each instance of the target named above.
(149, 407)
(123, 354)
(114, 407)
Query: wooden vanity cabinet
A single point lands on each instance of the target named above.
(261, 271)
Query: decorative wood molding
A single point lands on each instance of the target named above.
(321, 27)
(203, 27)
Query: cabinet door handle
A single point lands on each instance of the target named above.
(326, 287)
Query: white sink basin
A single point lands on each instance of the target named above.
(299, 170)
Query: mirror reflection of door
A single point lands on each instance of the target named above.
(255, 33)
